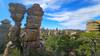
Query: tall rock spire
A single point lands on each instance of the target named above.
(32, 37)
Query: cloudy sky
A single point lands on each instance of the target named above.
(61, 14)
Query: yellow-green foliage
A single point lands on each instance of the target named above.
(14, 52)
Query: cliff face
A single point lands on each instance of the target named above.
(4, 29)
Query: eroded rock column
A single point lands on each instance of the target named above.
(17, 12)
(31, 40)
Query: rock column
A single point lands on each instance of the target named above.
(17, 12)
(31, 42)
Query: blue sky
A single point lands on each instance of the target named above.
(61, 14)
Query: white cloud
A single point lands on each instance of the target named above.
(76, 19)
(43, 3)
(62, 16)
(95, 1)
(48, 4)
(72, 19)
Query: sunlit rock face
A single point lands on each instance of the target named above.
(33, 24)
(17, 11)
(4, 29)
(34, 17)
(32, 37)
(93, 26)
